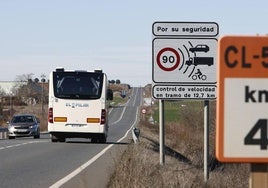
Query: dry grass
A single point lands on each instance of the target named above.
(140, 165)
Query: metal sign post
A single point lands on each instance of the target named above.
(206, 139)
(161, 132)
(258, 175)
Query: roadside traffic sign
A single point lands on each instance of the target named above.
(184, 60)
(181, 50)
(143, 111)
(184, 92)
(163, 61)
(184, 57)
(242, 119)
(186, 29)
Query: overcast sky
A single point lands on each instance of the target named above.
(38, 36)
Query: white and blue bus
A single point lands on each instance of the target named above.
(78, 105)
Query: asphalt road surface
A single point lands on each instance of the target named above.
(28, 162)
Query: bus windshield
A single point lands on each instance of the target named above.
(77, 85)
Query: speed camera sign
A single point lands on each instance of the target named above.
(184, 60)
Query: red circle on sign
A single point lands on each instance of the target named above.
(168, 68)
(143, 111)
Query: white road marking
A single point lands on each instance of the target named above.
(21, 144)
(120, 116)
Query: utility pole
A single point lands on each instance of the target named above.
(42, 94)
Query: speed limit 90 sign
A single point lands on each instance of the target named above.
(242, 118)
(168, 59)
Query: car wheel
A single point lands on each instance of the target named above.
(11, 137)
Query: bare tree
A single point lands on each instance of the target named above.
(117, 81)
(2, 92)
(36, 80)
(24, 77)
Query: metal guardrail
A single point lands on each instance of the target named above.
(3, 133)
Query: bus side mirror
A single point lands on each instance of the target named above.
(110, 95)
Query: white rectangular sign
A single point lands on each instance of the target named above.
(243, 124)
(199, 29)
(171, 92)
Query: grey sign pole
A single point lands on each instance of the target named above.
(161, 132)
(206, 139)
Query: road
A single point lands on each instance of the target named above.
(28, 162)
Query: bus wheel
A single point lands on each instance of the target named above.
(102, 139)
(62, 139)
(54, 138)
(94, 140)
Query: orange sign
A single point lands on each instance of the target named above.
(242, 102)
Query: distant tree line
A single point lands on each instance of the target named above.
(30, 90)
(26, 90)
(114, 81)
(29, 78)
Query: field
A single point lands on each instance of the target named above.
(183, 167)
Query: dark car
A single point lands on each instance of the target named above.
(200, 48)
(23, 125)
